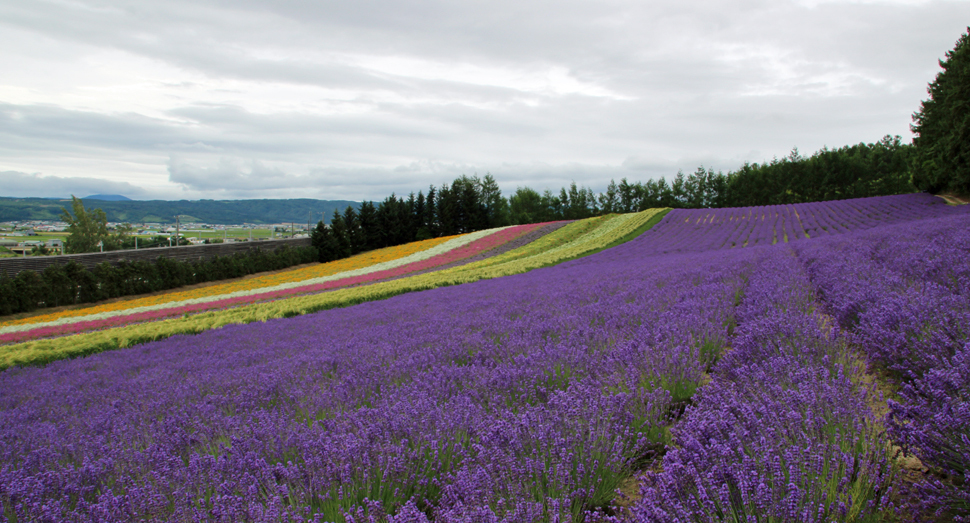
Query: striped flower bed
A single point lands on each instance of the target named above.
(456, 249)
(521, 259)
(401, 254)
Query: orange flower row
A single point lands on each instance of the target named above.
(314, 271)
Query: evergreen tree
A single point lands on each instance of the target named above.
(431, 213)
(369, 226)
(356, 237)
(341, 242)
(421, 229)
(410, 220)
(609, 201)
(323, 241)
(942, 126)
(626, 194)
(554, 204)
(496, 207)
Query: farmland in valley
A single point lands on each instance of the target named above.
(713, 368)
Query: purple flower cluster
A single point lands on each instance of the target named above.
(694, 230)
(783, 432)
(904, 296)
(525, 398)
(516, 399)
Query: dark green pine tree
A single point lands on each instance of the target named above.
(942, 126)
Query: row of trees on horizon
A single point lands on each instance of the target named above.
(470, 203)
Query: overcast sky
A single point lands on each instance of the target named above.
(230, 99)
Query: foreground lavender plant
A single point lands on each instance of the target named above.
(903, 294)
(932, 420)
(782, 433)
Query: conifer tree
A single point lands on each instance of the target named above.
(942, 126)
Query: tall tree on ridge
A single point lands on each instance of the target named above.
(942, 126)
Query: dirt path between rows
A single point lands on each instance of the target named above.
(954, 199)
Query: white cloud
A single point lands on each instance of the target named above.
(208, 99)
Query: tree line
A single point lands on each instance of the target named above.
(467, 204)
(471, 203)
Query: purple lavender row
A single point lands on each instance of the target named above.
(904, 293)
(782, 433)
(517, 399)
(695, 230)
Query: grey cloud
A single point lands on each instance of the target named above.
(47, 127)
(227, 175)
(24, 185)
(707, 82)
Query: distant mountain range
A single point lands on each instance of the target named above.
(121, 209)
(108, 197)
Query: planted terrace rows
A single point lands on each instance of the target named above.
(523, 398)
(705, 229)
(108, 330)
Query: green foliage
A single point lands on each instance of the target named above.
(528, 206)
(467, 204)
(8, 295)
(40, 250)
(29, 289)
(130, 242)
(942, 126)
(496, 207)
(856, 171)
(88, 230)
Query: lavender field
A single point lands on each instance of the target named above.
(713, 369)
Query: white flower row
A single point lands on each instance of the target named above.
(442, 248)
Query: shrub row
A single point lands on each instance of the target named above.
(71, 283)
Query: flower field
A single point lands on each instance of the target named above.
(705, 378)
(704, 229)
(104, 331)
(380, 259)
(261, 289)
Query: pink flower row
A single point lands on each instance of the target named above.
(487, 243)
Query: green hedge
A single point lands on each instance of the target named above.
(72, 284)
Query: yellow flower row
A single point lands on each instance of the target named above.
(314, 271)
(597, 233)
(568, 242)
